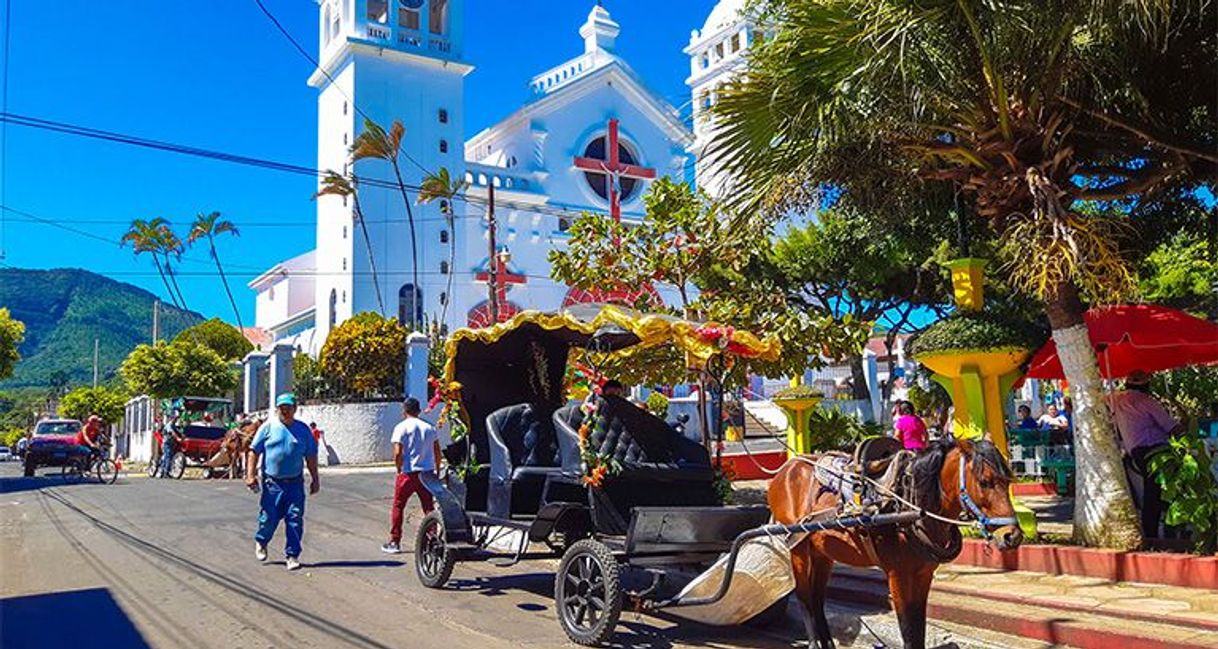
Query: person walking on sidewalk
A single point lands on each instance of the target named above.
(416, 448)
(286, 447)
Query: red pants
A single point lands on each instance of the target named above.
(406, 484)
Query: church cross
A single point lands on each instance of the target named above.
(502, 278)
(614, 170)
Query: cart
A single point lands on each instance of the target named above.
(204, 422)
(527, 484)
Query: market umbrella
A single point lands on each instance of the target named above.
(1132, 337)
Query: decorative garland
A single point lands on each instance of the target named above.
(450, 395)
(596, 466)
(723, 337)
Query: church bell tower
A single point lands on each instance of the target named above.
(386, 60)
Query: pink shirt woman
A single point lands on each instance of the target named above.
(910, 429)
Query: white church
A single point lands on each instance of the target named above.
(547, 161)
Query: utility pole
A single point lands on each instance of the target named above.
(492, 262)
(156, 321)
(95, 340)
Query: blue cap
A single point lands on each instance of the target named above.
(285, 399)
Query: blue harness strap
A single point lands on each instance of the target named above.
(984, 523)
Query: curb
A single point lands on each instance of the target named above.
(1166, 568)
(1020, 617)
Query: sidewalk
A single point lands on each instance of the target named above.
(1074, 611)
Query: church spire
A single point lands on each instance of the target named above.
(600, 30)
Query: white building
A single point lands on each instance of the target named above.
(403, 60)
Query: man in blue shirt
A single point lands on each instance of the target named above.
(285, 447)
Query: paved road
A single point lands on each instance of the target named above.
(160, 563)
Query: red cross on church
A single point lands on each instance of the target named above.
(614, 170)
(503, 277)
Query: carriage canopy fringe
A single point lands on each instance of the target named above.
(699, 340)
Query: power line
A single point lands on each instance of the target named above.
(555, 210)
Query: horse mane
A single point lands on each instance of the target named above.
(928, 467)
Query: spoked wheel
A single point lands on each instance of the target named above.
(433, 560)
(154, 467)
(177, 465)
(588, 593)
(107, 471)
(72, 472)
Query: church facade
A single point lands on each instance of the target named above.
(590, 139)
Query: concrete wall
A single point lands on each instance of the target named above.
(355, 433)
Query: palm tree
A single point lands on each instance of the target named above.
(207, 226)
(146, 237)
(440, 185)
(1031, 108)
(376, 143)
(169, 244)
(333, 184)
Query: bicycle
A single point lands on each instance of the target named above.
(97, 463)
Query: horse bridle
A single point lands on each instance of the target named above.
(984, 523)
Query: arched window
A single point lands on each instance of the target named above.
(410, 306)
(344, 263)
(443, 236)
(333, 307)
(437, 17)
(443, 116)
(443, 298)
(600, 182)
(408, 18)
(378, 11)
(325, 26)
(344, 232)
(444, 209)
(444, 268)
(443, 146)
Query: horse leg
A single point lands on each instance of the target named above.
(811, 578)
(910, 588)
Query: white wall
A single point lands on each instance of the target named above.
(355, 433)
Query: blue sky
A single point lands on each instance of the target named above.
(217, 75)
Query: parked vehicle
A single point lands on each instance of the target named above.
(203, 422)
(5, 454)
(53, 445)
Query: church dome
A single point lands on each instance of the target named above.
(725, 13)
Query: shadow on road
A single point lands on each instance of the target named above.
(97, 621)
(354, 564)
(15, 485)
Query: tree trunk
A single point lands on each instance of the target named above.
(224, 280)
(858, 380)
(1104, 514)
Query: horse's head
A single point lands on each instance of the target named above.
(978, 480)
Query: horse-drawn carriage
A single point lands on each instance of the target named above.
(203, 422)
(626, 502)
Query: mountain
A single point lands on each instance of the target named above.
(65, 309)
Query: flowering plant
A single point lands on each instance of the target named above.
(597, 466)
(722, 336)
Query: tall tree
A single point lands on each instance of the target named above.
(207, 226)
(12, 333)
(1029, 107)
(147, 237)
(378, 144)
(333, 184)
(441, 186)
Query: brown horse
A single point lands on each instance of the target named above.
(909, 554)
(236, 444)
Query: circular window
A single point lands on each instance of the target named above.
(600, 181)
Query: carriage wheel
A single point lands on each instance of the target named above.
(588, 593)
(433, 559)
(177, 465)
(107, 471)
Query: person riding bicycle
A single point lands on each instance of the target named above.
(89, 438)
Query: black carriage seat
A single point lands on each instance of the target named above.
(523, 450)
(659, 466)
(872, 456)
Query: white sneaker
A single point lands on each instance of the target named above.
(293, 563)
(259, 551)
(391, 548)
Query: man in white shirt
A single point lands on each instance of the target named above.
(416, 449)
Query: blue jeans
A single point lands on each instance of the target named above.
(166, 456)
(282, 500)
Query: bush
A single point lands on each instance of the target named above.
(365, 358)
(798, 392)
(834, 430)
(657, 404)
(307, 379)
(1188, 392)
(104, 402)
(1190, 489)
(167, 370)
(967, 331)
(218, 336)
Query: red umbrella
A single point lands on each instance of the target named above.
(1137, 337)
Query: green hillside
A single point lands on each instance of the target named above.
(64, 310)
